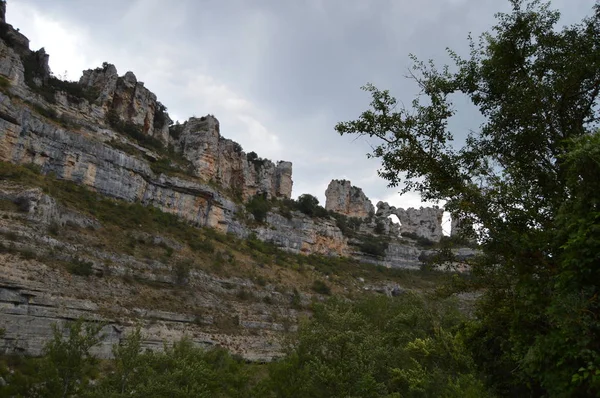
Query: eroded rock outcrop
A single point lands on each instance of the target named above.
(304, 235)
(223, 161)
(342, 197)
(129, 99)
(425, 221)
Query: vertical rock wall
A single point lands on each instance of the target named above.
(425, 221)
(342, 197)
(223, 161)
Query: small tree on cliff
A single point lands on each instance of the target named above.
(309, 205)
(528, 177)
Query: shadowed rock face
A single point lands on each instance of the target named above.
(342, 197)
(425, 221)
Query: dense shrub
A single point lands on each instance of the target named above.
(379, 347)
(180, 370)
(373, 246)
(348, 225)
(309, 205)
(258, 162)
(161, 117)
(258, 206)
(321, 287)
(80, 267)
(202, 245)
(181, 272)
(175, 130)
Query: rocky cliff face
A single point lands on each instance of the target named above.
(425, 222)
(224, 162)
(342, 197)
(129, 99)
(37, 293)
(304, 235)
(70, 137)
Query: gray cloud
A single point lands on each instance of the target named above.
(277, 74)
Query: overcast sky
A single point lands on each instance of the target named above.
(278, 74)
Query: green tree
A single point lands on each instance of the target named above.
(378, 347)
(523, 179)
(309, 205)
(68, 363)
(128, 363)
(258, 206)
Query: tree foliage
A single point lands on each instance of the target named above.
(309, 205)
(527, 178)
(68, 363)
(378, 347)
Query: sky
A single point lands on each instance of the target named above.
(278, 74)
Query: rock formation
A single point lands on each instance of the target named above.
(425, 221)
(221, 160)
(129, 99)
(342, 197)
(304, 235)
(75, 132)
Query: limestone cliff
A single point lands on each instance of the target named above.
(425, 221)
(62, 127)
(224, 162)
(342, 197)
(129, 99)
(89, 132)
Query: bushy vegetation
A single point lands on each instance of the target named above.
(69, 370)
(306, 203)
(527, 179)
(161, 117)
(321, 287)
(81, 267)
(309, 205)
(379, 347)
(259, 206)
(175, 130)
(420, 240)
(253, 158)
(374, 246)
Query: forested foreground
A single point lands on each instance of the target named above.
(406, 346)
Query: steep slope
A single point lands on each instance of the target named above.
(110, 212)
